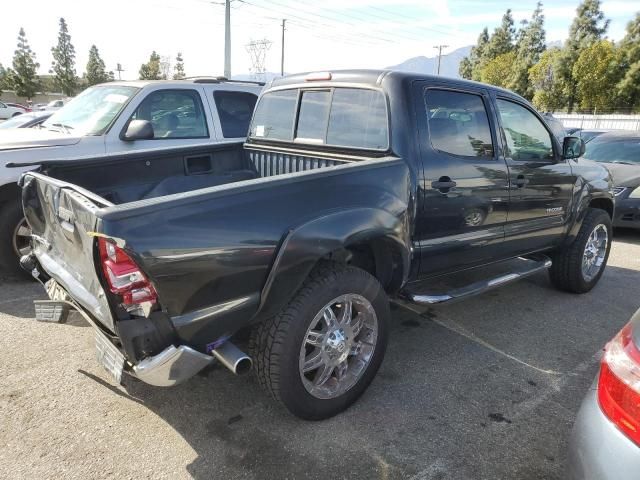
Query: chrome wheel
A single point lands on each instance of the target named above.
(338, 346)
(595, 252)
(22, 238)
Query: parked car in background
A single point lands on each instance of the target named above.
(352, 187)
(199, 111)
(620, 152)
(19, 105)
(7, 111)
(588, 134)
(53, 105)
(26, 120)
(605, 442)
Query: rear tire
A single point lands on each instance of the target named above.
(339, 317)
(578, 266)
(11, 217)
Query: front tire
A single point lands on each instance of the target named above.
(322, 351)
(578, 267)
(14, 239)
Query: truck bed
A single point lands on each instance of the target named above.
(205, 224)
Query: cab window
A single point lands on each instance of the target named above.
(527, 138)
(174, 114)
(458, 123)
(234, 111)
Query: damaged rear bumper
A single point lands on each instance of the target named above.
(171, 366)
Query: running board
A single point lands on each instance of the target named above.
(424, 294)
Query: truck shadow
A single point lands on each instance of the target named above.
(462, 389)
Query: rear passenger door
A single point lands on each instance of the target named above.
(541, 182)
(465, 197)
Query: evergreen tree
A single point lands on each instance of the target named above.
(493, 71)
(95, 68)
(22, 78)
(588, 27)
(502, 38)
(151, 69)
(64, 61)
(629, 86)
(178, 68)
(469, 67)
(530, 45)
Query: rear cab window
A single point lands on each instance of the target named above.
(340, 117)
(234, 111)
(458, 123)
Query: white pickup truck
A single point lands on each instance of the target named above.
(114, 118)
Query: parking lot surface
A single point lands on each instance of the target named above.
(482, 389)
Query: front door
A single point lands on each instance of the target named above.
(464, 197)
(541, 182)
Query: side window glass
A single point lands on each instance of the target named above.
(234, 111)
(174, 114)
(313, 116)
(527, 138)
(458, 123)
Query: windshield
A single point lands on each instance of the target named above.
(614, 150)
(91, 112)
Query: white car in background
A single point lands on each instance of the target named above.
(7, 112)
(114, 118)
(53, 105)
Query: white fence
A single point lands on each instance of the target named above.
(613, 122)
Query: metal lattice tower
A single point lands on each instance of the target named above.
(257, 50)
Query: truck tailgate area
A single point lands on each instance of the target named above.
(63, 222)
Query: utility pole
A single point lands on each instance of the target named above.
(227, 38)
(439, 48)
(282, 53)
(257, 50)
(119, 69)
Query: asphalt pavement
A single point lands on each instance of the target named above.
(482, 389)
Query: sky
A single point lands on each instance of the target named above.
(320, 35)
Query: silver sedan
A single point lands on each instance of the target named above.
(605, 443)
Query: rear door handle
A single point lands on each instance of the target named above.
(443, 183)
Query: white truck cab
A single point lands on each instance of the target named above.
(114, 118)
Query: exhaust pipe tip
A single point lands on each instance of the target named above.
(233, 358)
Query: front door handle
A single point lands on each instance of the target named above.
(443, 184)
(521, 181)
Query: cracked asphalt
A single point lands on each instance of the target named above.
(482, 389)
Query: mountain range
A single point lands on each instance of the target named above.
(448, 65)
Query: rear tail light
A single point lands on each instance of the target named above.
(124, 277)
(619, 383)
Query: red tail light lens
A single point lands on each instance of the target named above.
(124, 277)
(619, 384)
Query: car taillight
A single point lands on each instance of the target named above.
(619, 384)
(124, 277)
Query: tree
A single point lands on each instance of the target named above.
(151, 69)
(596, 75)
(501, 40)
(22, 77)
(178, 68)
(469, 66)
(494, 71)
(3, 77)
(530, 45)
(95, 68)
(588, 27)
(64, 61)
(548, 84)
(165, 67)
(629, 85)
